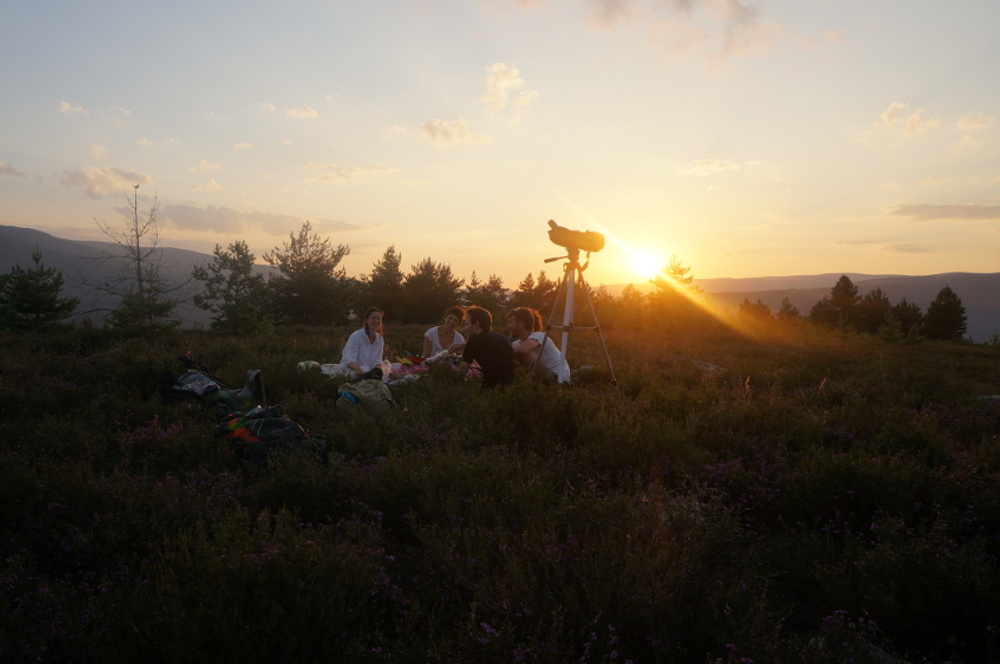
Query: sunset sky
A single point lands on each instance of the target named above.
(750, 139)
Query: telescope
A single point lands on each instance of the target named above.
(587, 241)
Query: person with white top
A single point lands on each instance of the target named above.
(445, 337)
(364, 348)
(533, 348)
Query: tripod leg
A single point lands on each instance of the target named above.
(600, 334)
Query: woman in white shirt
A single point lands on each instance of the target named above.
(444, 337)
(364, 348)
(533, 348)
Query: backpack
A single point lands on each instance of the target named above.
(260, 432)
(369, 394)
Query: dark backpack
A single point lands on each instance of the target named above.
(260, 432)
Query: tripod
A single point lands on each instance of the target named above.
(572, 275)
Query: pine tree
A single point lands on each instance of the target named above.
(312, 288)
(384, 287)
(945, 317)
(30, 298)
(430, 288)
(238, 297)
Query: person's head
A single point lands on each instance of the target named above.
(478, 320)
(373, 320)
(453, 317)
(523, 319)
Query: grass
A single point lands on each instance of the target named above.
(820, 498)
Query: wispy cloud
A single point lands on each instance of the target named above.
(333, 174)
(98, 151)
(930, 212)
(67, 108)
(232, 220)
(211, 185)
(905, 249)
(203, 165)
(718, 29)
(242, 145)
(444, 133)
(976, 122)
(707, 167)
(506, 88)
(99, 182)
(898, 114)
(6, 170)
(265, 106)
(302, 113)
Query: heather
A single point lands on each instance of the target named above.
(798, 495)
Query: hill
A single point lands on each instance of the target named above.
(87, 262)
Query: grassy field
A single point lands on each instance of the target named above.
(805, 497)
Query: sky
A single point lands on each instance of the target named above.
(749, 139)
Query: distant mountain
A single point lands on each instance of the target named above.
(84, 262)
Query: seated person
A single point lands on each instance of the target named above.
(533, 348)
(364, 348)
(490, 350)
(445, 337)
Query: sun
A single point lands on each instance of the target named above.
(646, 264)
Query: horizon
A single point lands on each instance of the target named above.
(746, 139)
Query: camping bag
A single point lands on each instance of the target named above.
(370, 394)
(261, 432)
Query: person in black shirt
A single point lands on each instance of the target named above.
(488, 349)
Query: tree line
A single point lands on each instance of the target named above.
(309, 286)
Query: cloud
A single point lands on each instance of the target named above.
(211, 185)
(203, 165)
(442, 132)
(8, 170)
(98, 151)
(707, 167)
(67, 108)
(265, 106)
(502, 83)
(895, 113)
(929, 212)
(123, 111)
(231, 220)
(242, 145)
(905, 249)
(609, 13)
(98, 182)
(935, 180)
(301, 113)
(394, 130)
(898, 114)
(144, 143)
(333, 174)
(975, 122)
(917, 123)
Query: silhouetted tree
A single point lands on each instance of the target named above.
(146, 300)
(384, 286)
(430, 288)
(945, 317)
(489, 294)
(909, 316)
(537, 293)
(675, 298)
(871, 311)
(755, 310)
(238, 298)
(837, 309)
(787, 311)
(312, 288)
(30, 298)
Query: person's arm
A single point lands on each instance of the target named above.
(349, 358)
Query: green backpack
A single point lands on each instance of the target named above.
(369, 394)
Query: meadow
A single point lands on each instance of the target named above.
(799, 496)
